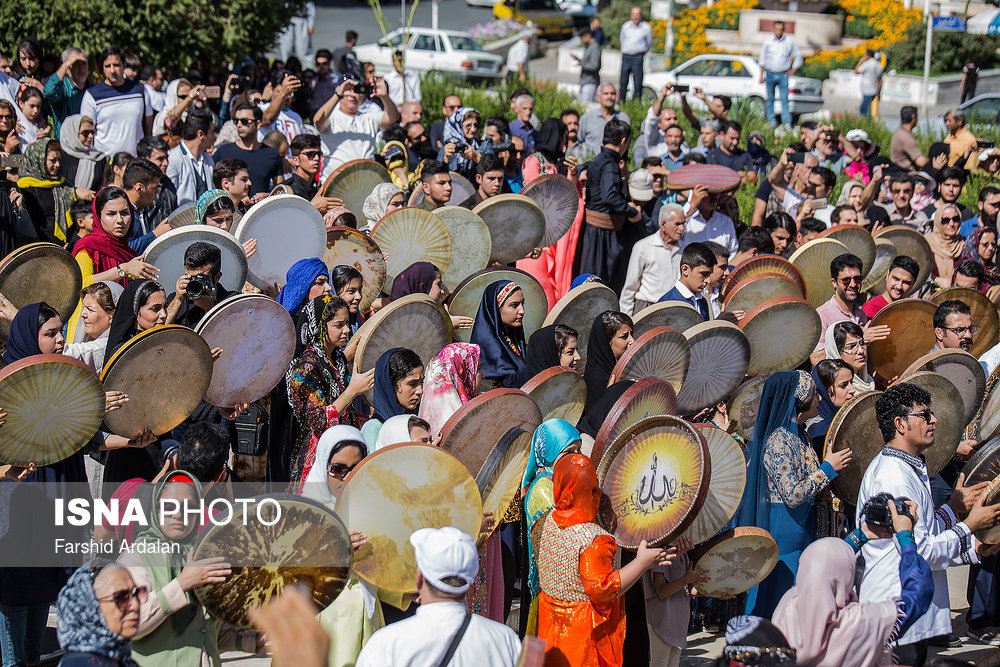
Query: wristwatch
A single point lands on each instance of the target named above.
(121, 272)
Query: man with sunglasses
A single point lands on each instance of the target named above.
(264, 164)
(307, 158)
(943, 537)
(845, 276)
(900, 209)
(953, 327)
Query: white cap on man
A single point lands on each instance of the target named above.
(445, 552)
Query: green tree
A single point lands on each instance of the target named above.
(169, 33)
(949, 51)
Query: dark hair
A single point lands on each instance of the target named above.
(148, 72)
(815, 225)
(901, 178)
(220, 204)
(351, 35)
(568, 112)
(132, 61)
(148, 289)
(829, 178)
(145, 147)
(278, 75)
(694, 158)
(877, 214)
(697, 254)
(415, 421)
(141, 170)
(258, 115)
(949, 307)
(583, 32)
(835, 214)
(906, 116)
(431, 169)
(717, 249)
(323, 53)
(79, 210)
(727, 125)
(28, 93)
(201, 254)
(612, 321)
(908, 264)
(808, 124)
(45, 313)
(615, 130)
(845, 261)
(951, 172)
(303, 141)
(780, 219)
(971, 269)
(343, 274)
(756, 238)
(102, 295)
(401, 363)
(497, 122)
(563, 334)
(199, 120)
(897, 401)
(227, 169)
(30, 45)
(841, 330)
(491, 162)
(394, 133)
(727, 101)
(986, 192)
(651, 161)
(107, 195)
(204, 450)
(108, 52)
(827, 371)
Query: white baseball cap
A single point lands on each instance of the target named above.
(640, 185)
(445, 552)
(857, 134)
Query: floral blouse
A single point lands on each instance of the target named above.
(794, 475)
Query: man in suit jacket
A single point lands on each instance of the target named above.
(697, 263)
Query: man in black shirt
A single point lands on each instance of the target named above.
(490, 179)
(307, 157)
(263, 162)
(728, 154)
(204, 260)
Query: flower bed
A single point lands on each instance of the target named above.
(690, 26)
(494, 31)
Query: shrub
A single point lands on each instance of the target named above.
(950, 50)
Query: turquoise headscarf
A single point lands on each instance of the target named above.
(204, 201)
(548, 442)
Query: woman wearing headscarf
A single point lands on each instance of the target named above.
(450, 381)
(399, 384)
(307, 279)
(82, 164)
(580, 609)
(610, 336)
(46, 196)
(981, 248)
(98, 302)
(462, 128)
(784, 478)
(320, 388)
(846, 341)
(383, 200)
(822, 618)
(104, 253)
(499, 333)
(425, 278)
(833, 380)
(97, 615)
(946, 243)
(180, 96)
(400, 429)
(356, 613)
(554, 345)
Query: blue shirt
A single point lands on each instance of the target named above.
(528, 135)
(696, 300)
(969, 226)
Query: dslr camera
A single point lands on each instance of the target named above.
(362, 88)
(876, 510)
(199, 286)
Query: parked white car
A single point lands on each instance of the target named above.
(447, 51)
(736, 76)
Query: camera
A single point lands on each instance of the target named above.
(239, 84)
(362, 88)
(797, 158)
(876, 510)
(459, 146)
(199, 286)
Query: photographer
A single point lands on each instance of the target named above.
(350, 135)
(198, 290)
(907, 424)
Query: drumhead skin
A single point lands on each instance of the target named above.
(353, 181)
(40, 272)
(661, 352)
(468, 295)
(560, 202)
(415, 321)
(874, 281)
(858, 241)
(165, 372)
(736, 561)
(725, 489)
(183, 215)
(287, 229)
(720, 355)
(306, 545)
(984, 315)
(992, 496)
(912, 325)
(470, 243)
(400, 489)
(755, 290)
(962, 369)
(985, 424)
(516, 225)
(410, 235)
(167, 254)
(714, 177)
(54, 406)
(782, 333)
(648, 397)
(813, 260)
(257, 337)
(949, 410)
(349, 247)
(911, 243)
(760, 264)
(655, 476)
(471, 433)
(578, 309)
(984, 464)
(854, 427)
(674, 314)
(499, 480)
(559, 392)
(461, 189)
(744, 403)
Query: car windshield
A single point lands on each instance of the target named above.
(984, 110)
(463, 43)
(395, 40)
(537, 5)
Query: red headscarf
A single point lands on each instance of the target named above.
(577, 492)
(106, 251)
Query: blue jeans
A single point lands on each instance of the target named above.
(22, 631)
(631, 65)
(779, 80)
(866, 104)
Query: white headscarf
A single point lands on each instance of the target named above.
(394, 431)
(861, 382)
(159, 122)
(315, 487)
(88, 158)
(375, 204)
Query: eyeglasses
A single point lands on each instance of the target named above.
(854, 348)
(339, 470)
(311, 155)
(924, 414)
(971, 330)
(245, 121)
(954, 219)
(83, 133)
(322, 63)
(850, 279)
(6, 116)
(124, 597)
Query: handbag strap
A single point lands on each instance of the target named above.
(456, 640)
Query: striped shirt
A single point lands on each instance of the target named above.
(118, 114)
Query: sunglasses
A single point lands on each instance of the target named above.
(311, 155)
(924, 414)
(83, 133)
(851, 279)
(339, 470)
(951, 220)
(6, 116)
(322, 63)
(124, 597)
(256, 100)
(245, 121)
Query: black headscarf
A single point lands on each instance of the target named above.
(502, 358)
(123, 326)
(542, 350)
(23, 338)
(549, 141)
(600, 362)
(415, 279)
(594, 416)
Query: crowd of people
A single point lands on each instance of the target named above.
(97, 162)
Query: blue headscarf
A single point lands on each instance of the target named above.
(780, 401)
(385, 404)
(23, 338)
(298, 280)
(503, 347)
(453, 132)
(82, 627)
(548, 442)
(583, 279)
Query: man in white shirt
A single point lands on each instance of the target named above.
(779, 58)
(517, 59)
(706, 223)
(655, 263)
(907, 425)
(347, 134)
(443, 631)
(403, 86)
(870, 71)
(121, 109)
(636, 37)
(190, 166)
